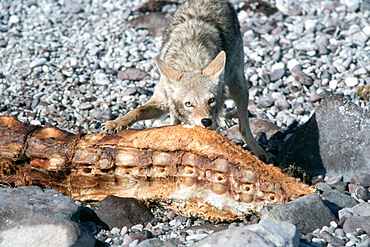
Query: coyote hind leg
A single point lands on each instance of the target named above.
(239, 91)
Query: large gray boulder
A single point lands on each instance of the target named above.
(335, 140)
(31, 201)
(32, 216)
(45, 232)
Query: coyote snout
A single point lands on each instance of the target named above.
(202, 51)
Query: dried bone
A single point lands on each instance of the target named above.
(191, 170)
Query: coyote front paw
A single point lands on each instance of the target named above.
(111, 127)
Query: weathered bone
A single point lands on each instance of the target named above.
(191, 170)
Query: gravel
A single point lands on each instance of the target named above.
(77, 64)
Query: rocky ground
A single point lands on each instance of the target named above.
(77, 64)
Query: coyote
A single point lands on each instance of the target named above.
(202, 52)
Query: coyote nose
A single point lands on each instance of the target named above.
(206, 122)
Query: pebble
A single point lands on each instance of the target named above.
(38, 62)
(351, 81)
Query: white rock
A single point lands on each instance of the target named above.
(35, 122)
(229, 103)
(278, 66)
(350, 3)
(333, 84)
(13, 19)
(292, 63)
(366, 30)
(351, 81)
(38, 62)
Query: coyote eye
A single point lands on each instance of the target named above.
(188, 104)
(211, 100)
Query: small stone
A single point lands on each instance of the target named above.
(13, 19)
(352, 5)
(278, 71)
(132, 74)
(72, 6)
(101, 78)
(265, 101)
(86, 106)
(35, 122)
(323, 49)
(292, 63)
(354, 222)
(323, 187)
(229, 103)
(339, 232)
(351, 81)
(333, 84)
(138, 227)
(333, 240)
(129, 91)
(282, 104)
(309, 237)
(363, 209)
(123, 230)
(352, 188)
(334, 179)
(366, 30)
(300, 76)
(352, 236)
(38, 62)
(362, 193)
(362, 179)
(115, 231)
(345, 213)
(3, 43)
(341, 186)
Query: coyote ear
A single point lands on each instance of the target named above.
(167, 70)
(216, 67)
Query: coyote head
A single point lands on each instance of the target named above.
(195, 97)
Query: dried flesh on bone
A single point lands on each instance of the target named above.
(194, 171)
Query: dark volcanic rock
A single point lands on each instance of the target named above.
(334, 141)
(119, 212)
(306, 213)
